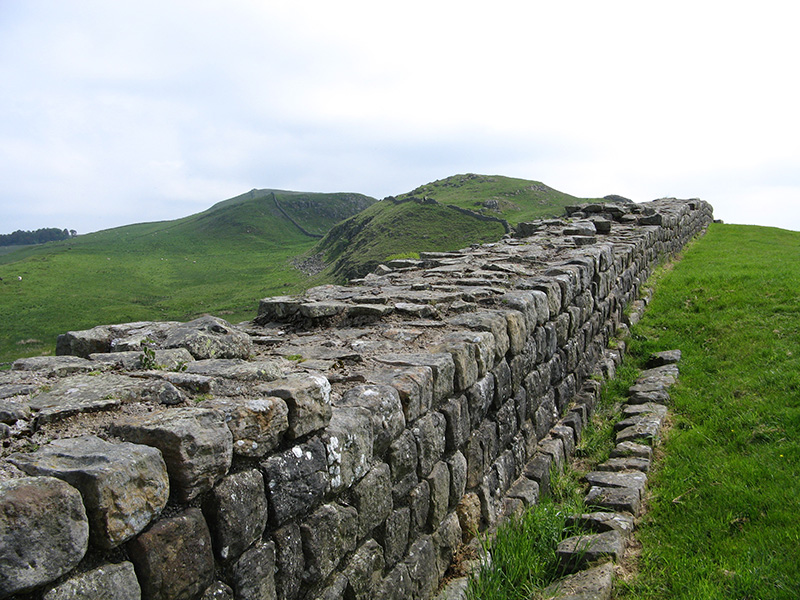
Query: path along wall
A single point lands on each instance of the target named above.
(341, 445)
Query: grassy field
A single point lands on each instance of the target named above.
(722, 518)
(220, 261)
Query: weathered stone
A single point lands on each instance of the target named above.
(464, 361)
(124, 486)
(469, 515)
(429, 433)
(394, 535)
(617, 479)
(86, 393)
(373, 499)
(422, 567)
(480, 397)
(625, 464)
(642, 428)
(44, 532)
(329, 533)
(236, 368)
(108, 582)
(196, 445)
(413, 384)
(538, 469)
(397, 585)
(54, 366)
(217, 591)
(363, 571)
(632, 449)
(134, 360)
(581, 550)
(348, 442)
(457, 430)
(419, 501)
(209, 337)
(257, 424)
(596, 583)
(254, 574)
(599, 522)
(403, 459)
(113, 338)
(296, 480)
(447, 539)
(289, 561)
(526, 490)
(457, 464)
(173, 558)
(439, 482)
(308, 398)
(236, 513)
(668, 357)
(615, 499)
(441, 365)
(492, 322)
(386, 410)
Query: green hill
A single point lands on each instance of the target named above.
(445, 215)
(221, 260)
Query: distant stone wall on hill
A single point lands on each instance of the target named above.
(344, 444)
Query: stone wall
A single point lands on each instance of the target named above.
(344, 444)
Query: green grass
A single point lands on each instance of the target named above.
(220, 261)
(723, 516)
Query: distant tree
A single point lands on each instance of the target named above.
(40, 236)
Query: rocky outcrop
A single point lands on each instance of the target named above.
(345, 442)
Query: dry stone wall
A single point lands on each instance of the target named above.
(343, 444)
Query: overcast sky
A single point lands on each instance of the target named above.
(117, 112)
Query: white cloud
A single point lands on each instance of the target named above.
(121, 112)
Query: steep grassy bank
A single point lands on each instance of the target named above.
(725, 499)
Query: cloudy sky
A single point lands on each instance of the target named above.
(116, 112)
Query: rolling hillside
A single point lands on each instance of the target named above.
(428, 219)
(221, 260)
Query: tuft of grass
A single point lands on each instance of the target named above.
(522, 555)
(725, 499)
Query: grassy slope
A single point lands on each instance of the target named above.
(221, 260)
(356, 246)
(517, 199)
(723, 516)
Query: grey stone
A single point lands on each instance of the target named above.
(394, 535)
(413, 384)
(11, 412)
(364, 570)
(596, 583)
(308, 398)
(538, 469)
(419, 501)
(668, 357)
(599, 522)
(253, 575)
(492, 322)
(441, 365)
(386, 410)
(422, 567)
(257, 425)
(447, 539)
(649, 396)
(403, 459)
(439, 482)
(625, 464)
(348, 441)
(397, 584)
(209, 337)
(236, 513)
(429, 433)
(632, 449)
(480, 397)
(373, 499)
(113, 338)
(289, 560)
(85, 393)
(217, 591)
(464, 360)
(173, 558)
(124, 486)
(54, 366)
(457, 430)
(615, 499)
(455, 589)
(196, 444)
(526, 490)
(581, 550)
(457, 464)
(238, 369)
(617, 479)
(329, 533)
(296, 480)
(107, 582)
(134, 360)
(44, 532)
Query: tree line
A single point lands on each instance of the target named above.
(40, 236)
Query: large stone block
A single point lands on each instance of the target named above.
(403, 459)
(236, 512)
(348, 442)
(44, 532)
(373, 499)
(124, 486)
(386, 410)
(254, 574)
(308, 398)
(441, 365)
(296, 480)
(196, 444)
(289, 561)
(329, 533)
(257, 424)
(363, 571)
(107, 582)
(457, 430)
(174, 559)
(429, 432)
(209, 337)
